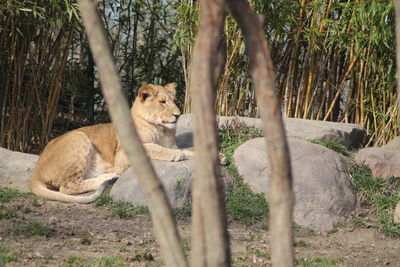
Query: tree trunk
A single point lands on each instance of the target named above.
(164, 224)
(281, 198)
(210, 244)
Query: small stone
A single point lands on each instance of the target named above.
(38, 255)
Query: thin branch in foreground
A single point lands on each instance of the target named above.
(281, 197)
(163, 220)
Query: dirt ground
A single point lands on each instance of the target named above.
(84, 234)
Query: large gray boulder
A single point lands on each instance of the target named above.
(351, 135)
(176, 178)
(348, 134)
(384, 162)
(323, 193)
(16, 169)
(394, 143)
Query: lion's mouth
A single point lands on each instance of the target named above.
(170, 125)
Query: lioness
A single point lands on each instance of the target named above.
(86, 159)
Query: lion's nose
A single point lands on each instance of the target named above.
(177, 116)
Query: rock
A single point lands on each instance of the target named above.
(397, 213)
(323, 193)
(383, 162)
(394, 143)
(16, 169)
(351, 135)
(348, 134)
(176, 178)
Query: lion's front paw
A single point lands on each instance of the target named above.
(178, 155)
(188, 153)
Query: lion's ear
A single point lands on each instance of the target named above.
(145, 91)
(171, 87)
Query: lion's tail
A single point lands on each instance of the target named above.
(41, 190)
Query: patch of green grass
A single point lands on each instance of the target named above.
(233, 134)
(317, 262)
(125, 210)
(336, 228)
(302, 229)
(36, 202)
(120, 209)
(86, 240)
(356, 222)
(110, 262)
(6, 213)
(243, 205)
(27, 210)
(254, 237)
(6, 194)
(9, 258)
(332, 145)
(34, 228)
(260, 253)
(3, 248)
(300, 243)
(381, 196)
(182, 213)
(5, 257)
(105, 199)
(75, 261)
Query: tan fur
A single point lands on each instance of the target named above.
(86, 159)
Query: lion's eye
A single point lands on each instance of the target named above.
(163, 101)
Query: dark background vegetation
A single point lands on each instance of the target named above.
(334, 60)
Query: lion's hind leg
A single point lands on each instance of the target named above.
(82, 186)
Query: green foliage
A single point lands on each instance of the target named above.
(260, 253)
(119, 209)
(110, 262)
(34, 228)
(6, 256)
(6, 194)
(86, 240)
(182, 213)
(40, 11)
(6, 213)
(317, 262)
(246, 206)
(74, 261)
(381, 196)
(233, 134)
(105, 199)
(301, 229)
(332, 145)
(300, 243)
(242, 204)
(323, 54)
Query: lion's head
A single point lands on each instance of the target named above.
(155, 104)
